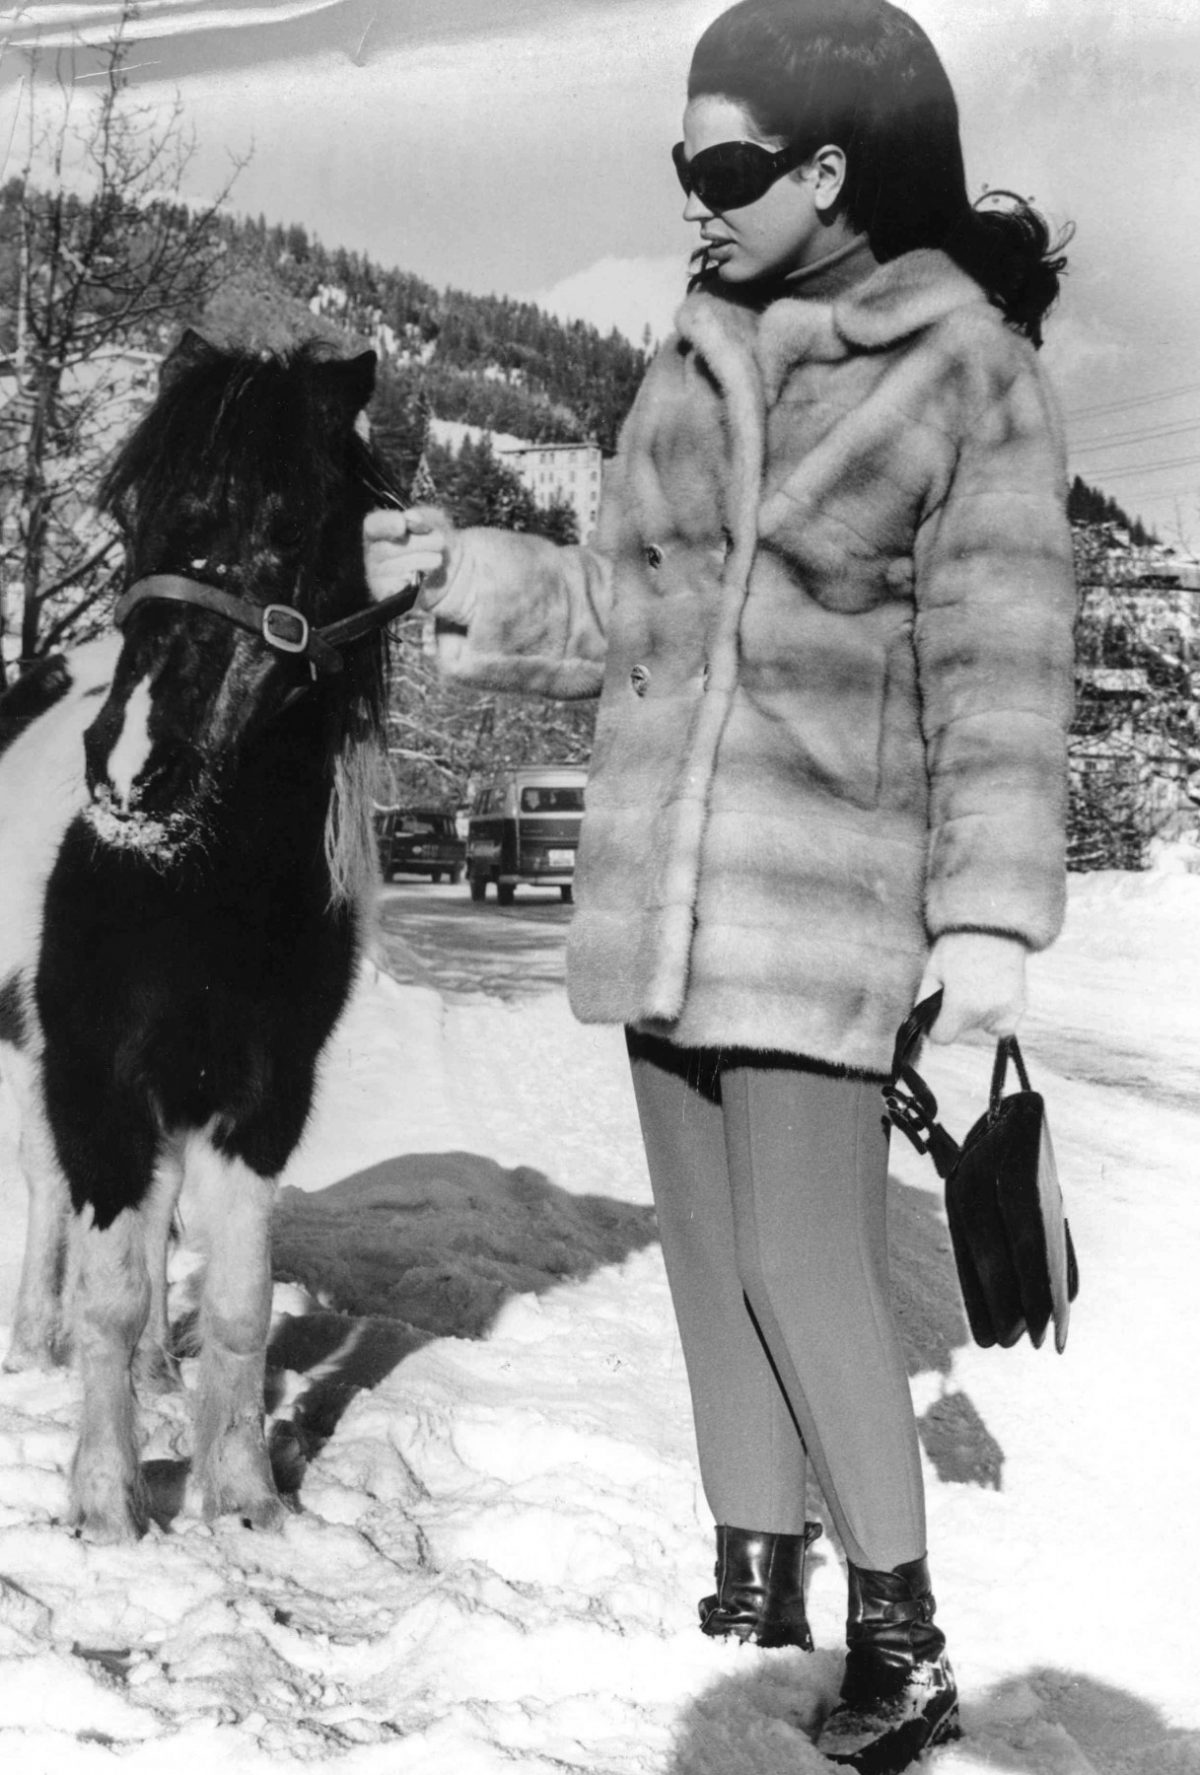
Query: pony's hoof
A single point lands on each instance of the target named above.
(268, 1513)
(109, 1508)
(266, 1510)
(38, 1353)
(108, 1531)
(234, 1478)
(118, 1526)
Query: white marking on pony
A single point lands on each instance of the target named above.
(154, 1368)
(233, 1224)
(110, 1298)
(42, 788)
(128, 756)
(38, 1338)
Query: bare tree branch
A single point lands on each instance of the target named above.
(68, 625)
(81, 571)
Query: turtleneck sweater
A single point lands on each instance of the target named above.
(823, 280)
(829, 277)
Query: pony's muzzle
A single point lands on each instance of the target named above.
(130, 774)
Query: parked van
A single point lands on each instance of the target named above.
(419, 841)
(524, 829)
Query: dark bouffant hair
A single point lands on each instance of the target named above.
(863, 75)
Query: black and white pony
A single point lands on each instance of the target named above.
(186, 856)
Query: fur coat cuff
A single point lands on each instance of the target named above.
(520, 613)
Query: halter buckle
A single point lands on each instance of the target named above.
(285, 628)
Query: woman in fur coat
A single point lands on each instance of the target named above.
(828, 614)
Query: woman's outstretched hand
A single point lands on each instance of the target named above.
(400, 547)
(982, 978)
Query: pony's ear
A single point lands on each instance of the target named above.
(192, 349)
(350, 382)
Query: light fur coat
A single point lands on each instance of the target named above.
(829, 614)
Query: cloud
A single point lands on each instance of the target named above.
(65, 26)
(1083, 352)
(629, 294)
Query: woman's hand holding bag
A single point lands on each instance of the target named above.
(981, 976)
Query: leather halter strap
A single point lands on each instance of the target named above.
(281, 627)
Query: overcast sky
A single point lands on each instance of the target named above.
(520, 146)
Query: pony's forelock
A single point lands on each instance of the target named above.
(234, 435)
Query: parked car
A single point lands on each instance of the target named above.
(523, 829)
(419, 841)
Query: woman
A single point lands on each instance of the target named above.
(828, 613)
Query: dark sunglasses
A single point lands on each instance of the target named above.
(730, 175)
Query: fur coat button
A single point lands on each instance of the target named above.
(653, 554)
(639, 677)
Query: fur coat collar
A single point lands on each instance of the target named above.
(889, 305)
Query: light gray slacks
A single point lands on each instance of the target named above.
(770, 1184)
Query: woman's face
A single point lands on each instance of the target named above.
(779, 232)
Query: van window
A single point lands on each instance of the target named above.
(551, 801)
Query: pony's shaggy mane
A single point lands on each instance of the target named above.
(351, 853)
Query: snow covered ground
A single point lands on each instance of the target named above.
(478, 1390)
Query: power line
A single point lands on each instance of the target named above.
(1141, 400)
(1138, 437)
(1145, 468)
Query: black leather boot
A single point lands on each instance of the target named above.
(898, 1695)
(760, 1587)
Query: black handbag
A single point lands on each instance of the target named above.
(1012, 1244)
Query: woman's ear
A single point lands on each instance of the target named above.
(827, 171)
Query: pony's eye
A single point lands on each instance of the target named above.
(286, 535)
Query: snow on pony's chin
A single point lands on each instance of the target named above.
(161, 837)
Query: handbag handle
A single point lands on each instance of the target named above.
(914, 1029)
(1007, 1049)
(911, 1105)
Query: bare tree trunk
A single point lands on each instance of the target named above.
(34, 512)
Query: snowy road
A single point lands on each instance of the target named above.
(479, 1393)
(440, 937)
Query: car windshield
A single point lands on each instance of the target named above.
(418, 823)
(551, 801)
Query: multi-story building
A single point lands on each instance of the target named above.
(568, 472)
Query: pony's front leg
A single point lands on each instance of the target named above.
(39, 1334)
(230, 1461)
(111, 1302)
(155, 1368)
